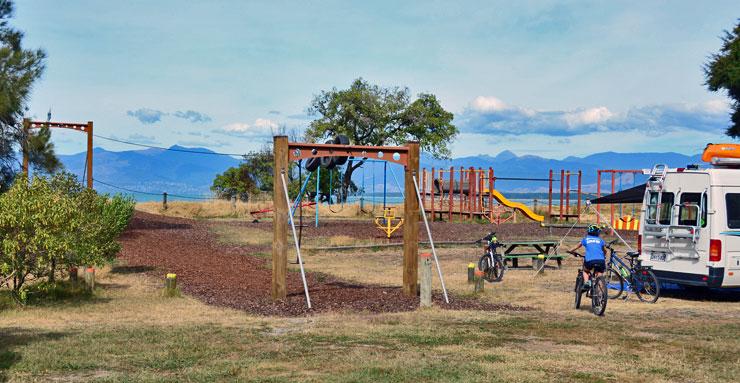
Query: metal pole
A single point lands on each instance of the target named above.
(295, 240)
(318, 202)
(385, 184)
(431, 241)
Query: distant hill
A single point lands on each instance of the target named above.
(156, 171)
(508, 164)
(153, 170)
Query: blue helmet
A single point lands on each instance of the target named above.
(593, 230)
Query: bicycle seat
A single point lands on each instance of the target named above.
(633, 254)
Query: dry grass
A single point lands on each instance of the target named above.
(252, 210)
(129, 332)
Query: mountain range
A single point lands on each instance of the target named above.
(176, 172)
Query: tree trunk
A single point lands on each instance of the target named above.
(347, 178)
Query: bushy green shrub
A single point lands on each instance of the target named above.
(54, 224)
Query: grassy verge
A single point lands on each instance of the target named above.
(127, 331)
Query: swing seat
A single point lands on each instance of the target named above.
(386, 223)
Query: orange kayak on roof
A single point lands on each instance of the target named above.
(720, 151)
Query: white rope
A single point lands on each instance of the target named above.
(610, 226)
(431, 242)
(295, 239)
(560, 242)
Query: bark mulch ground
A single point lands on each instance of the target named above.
(230, 276)
(441, 231)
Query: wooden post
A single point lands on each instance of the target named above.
(89, 154)
(460, 196)
(471, 188)
(549, 199)
(90, 278)
(562, 183)
(579, 196)
(598, 194)
(24, 146)
(441, 192)
(280, 219)
(480, 283)
(411, 223)
(426, 280)
(431, 195)
(451, 194)
(611, 206)
(423, 186)
(471, 272)
(567, 194)
(164, 201)
(490, 193)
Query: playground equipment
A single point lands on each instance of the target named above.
(386, 222)
(408, 156)
(467, 193)
(516, 205)
(616, 179)
(80, 127)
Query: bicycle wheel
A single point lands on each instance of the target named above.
(615, 283)
(578, 290)
(646, 285)
(599, 296)
(484, 263)
(496, 272)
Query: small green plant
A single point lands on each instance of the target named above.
(55, 223)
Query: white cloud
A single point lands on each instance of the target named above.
(490, 115)
(588, 116)
(265, 123)
(261, 127)
(485, 104)
(717, 106)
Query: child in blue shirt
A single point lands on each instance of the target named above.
(594, 261)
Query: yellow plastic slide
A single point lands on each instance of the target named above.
(519, 206)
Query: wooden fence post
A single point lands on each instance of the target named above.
(411, 223)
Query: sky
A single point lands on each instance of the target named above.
(547, 78)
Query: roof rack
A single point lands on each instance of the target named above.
(726, 162)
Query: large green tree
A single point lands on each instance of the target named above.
(373, 115)
(19, 69)
(723, 73)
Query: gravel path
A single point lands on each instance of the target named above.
(229, 276)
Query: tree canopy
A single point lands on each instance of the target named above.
(19, 69)
(373, 115)
(723, 73)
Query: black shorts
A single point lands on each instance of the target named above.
(596, 266)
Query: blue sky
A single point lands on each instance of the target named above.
(547, 78)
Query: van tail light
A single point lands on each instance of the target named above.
(715, 250)
(639, 243)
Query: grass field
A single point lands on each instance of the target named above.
(128, 332)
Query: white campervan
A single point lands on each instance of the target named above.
(690, 231)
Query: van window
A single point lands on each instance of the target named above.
(733, 210)
(687, 212)
(666, 202)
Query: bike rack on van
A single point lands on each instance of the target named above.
(670, 232)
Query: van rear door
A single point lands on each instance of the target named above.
(682, 249)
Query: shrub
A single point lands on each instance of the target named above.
(54, 223)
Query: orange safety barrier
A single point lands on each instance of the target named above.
(627, 222)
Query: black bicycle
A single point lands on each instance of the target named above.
(598, 291)
(631, 276)
(491, 263)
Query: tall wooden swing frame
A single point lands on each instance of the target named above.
(80, 127)
(285, 151)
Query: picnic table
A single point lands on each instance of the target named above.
(537, 251)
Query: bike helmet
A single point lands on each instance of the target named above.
(593, 230)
